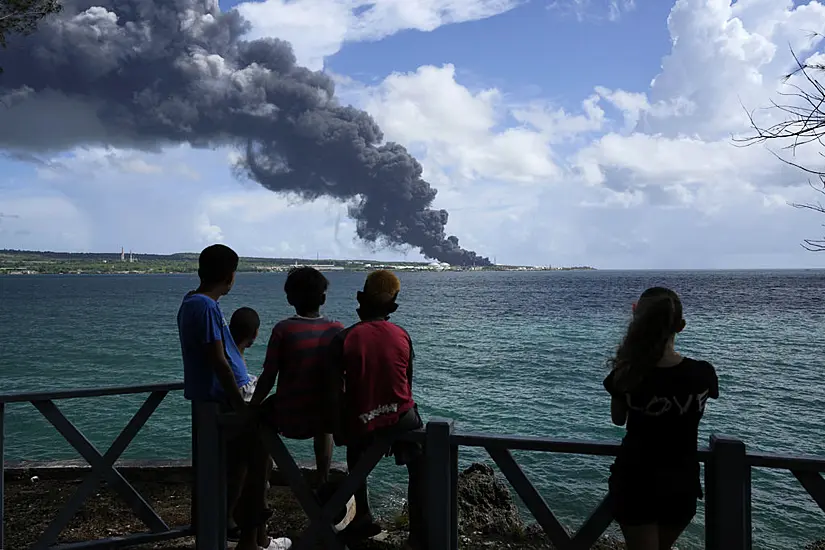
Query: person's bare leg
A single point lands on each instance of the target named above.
(263, 536)
(234, 484)
(249, 511)
(323, 457)
(263, 539)
(416, 503)
(641, 537)
(363, 512)
(669, 534)
(248, 541)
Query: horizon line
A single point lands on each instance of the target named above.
(425, 261)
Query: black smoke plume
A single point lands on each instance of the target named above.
(150, 73)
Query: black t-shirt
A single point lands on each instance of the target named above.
(664, 411)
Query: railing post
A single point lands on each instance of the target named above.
(727, 476)
(454, 497)
(439, 485)
(2, 472)
(208, 468)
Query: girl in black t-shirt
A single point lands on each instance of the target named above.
(661, 397)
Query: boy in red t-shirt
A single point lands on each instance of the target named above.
(297, 356)
(373, 360)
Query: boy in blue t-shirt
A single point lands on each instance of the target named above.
(214, 370)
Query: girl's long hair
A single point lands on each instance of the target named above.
(656, 318)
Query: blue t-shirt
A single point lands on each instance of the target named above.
(201, 322)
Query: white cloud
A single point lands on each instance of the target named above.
(610, 10)
(206, 231)
(684, 123)
(676, 133)
(557, 124)
(318, 28)
(720, 62)
(459, 131)
(657, 159)
(671, 150)
(107, 162)
(636, 107)
(35, 221)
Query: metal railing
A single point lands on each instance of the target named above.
(102, 464)
(728, 468)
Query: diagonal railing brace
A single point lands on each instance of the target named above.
(532, 499)
(595, 525)
(813, 483)
(104, 467)
(321, 517)
(92, 481)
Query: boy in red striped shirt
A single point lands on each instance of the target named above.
(297, 357)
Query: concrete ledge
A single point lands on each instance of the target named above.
(173, 470)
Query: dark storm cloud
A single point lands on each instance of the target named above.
(149, 73)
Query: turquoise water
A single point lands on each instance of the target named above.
(500, 352)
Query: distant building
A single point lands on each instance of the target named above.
(122, 255)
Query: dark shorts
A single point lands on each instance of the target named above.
(646, 497)
(240, 440)
(405, 452)
(302, 424)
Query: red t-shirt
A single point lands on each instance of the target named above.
(297, 352)
(375, 359)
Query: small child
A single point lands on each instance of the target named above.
(244, 327)
(297, 357)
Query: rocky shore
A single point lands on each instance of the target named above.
(488, 515)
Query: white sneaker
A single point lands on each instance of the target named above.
(279, 544)
(348, 517)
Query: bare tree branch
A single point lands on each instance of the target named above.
(22, 16)
(804, 123)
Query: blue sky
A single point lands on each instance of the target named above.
(557, 132)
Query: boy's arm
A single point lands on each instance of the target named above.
(267, 379)
(410, 365)
(212, 338)
(334, 377)
(216, 356)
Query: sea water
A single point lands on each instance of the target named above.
(505, 352)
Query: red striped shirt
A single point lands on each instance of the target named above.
(297, 352)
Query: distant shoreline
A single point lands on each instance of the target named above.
(12, 273)
(20, 262)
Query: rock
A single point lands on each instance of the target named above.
(485, 505)
(818, 545)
